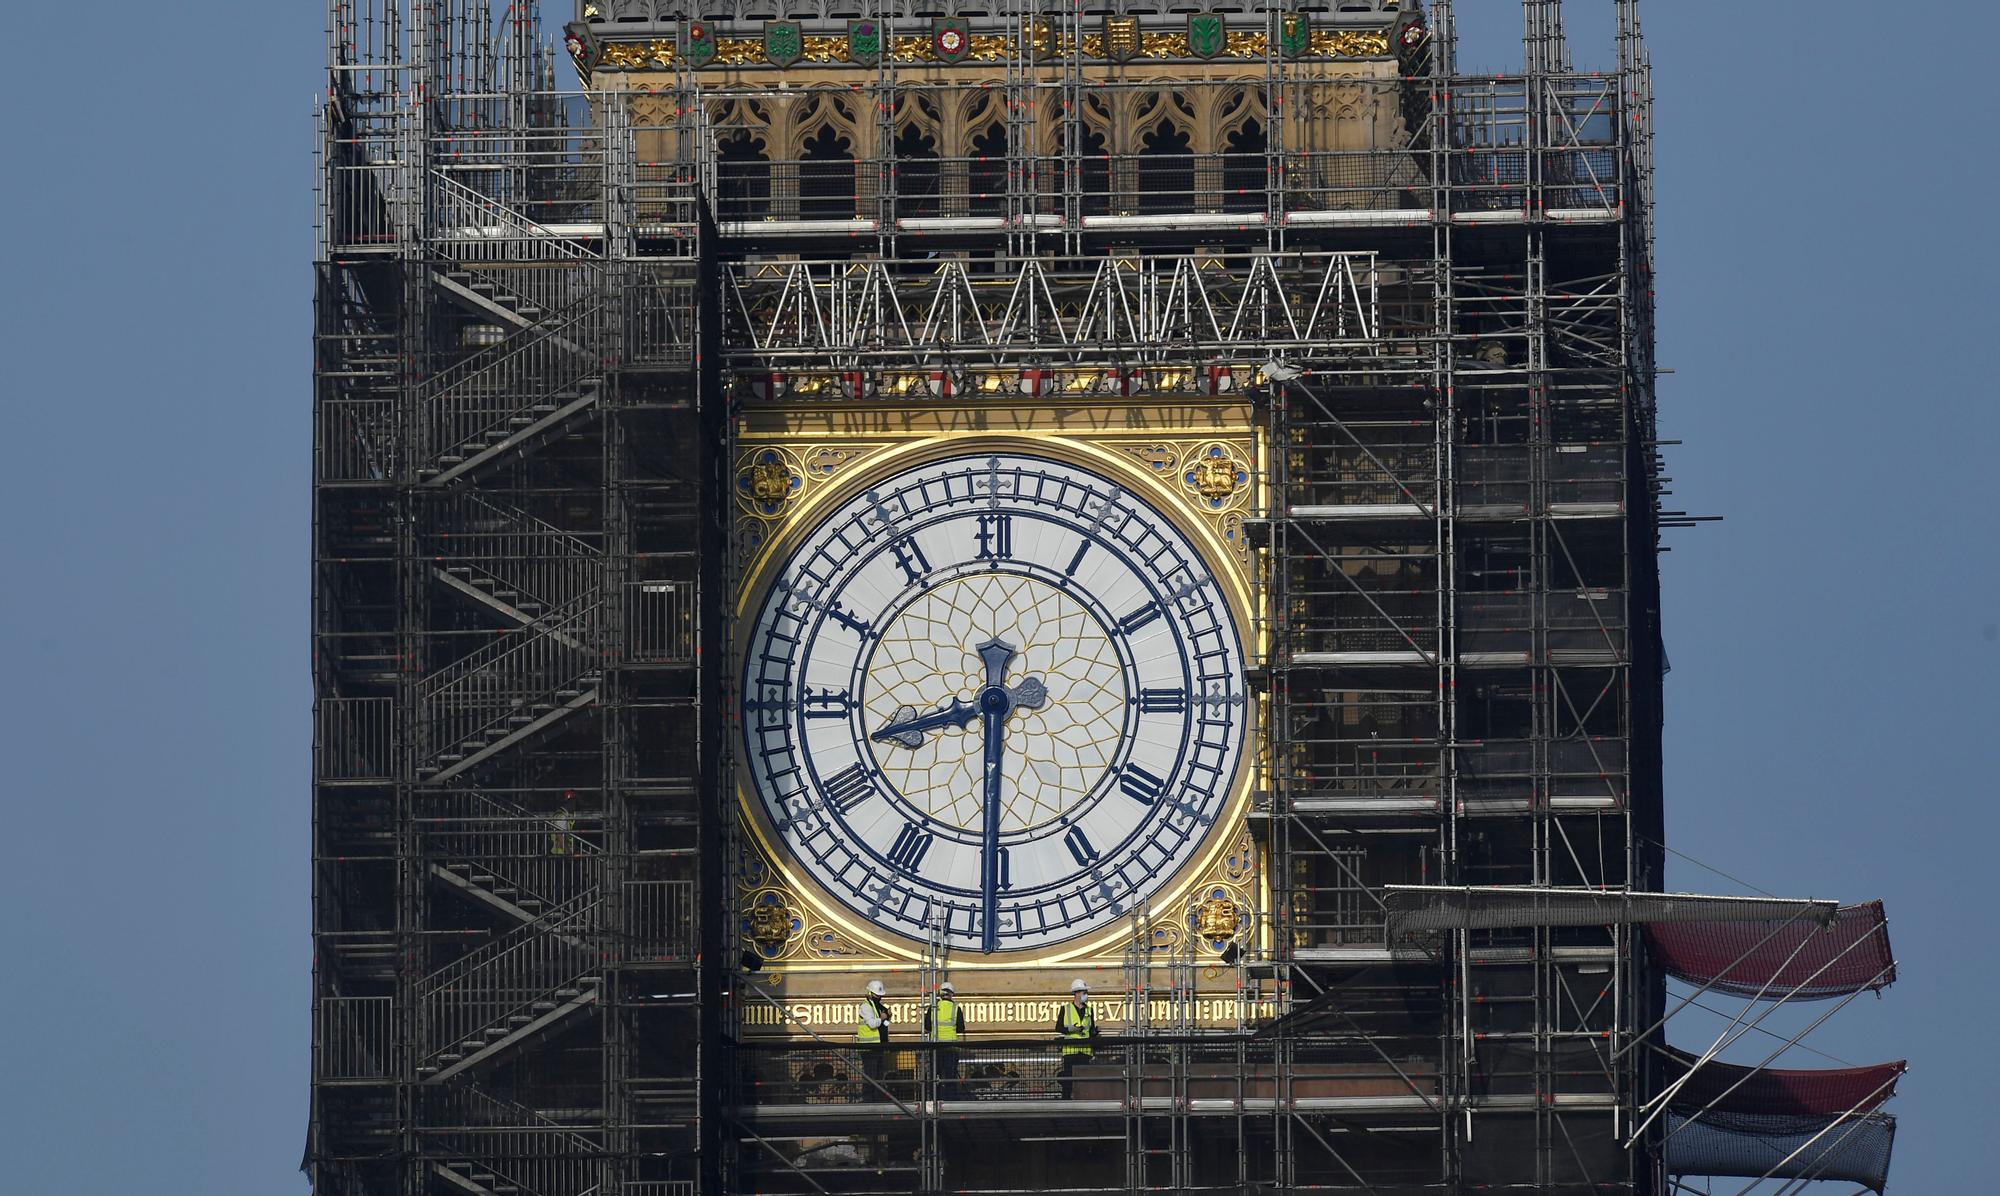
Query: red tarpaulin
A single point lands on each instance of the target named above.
(1819, 1092)
(1797, 960)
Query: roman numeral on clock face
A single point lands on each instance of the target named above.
(827, 703)
(1079, 846)
(845, 618)
(910, 555)
(996, 538)
(907, 852)
(1163, 701)
(1139, 618)
(1139, 785)
(848, 788)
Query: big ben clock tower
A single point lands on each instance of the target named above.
(982, 496)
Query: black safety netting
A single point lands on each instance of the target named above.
(1816, 1092)
(1784, 958)
(1854, 1149)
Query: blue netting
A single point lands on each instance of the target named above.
(1749, 1145)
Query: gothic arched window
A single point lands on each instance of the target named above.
(826, 177)
(986, 174)
(1244, 169)
(916, 172)
(742, 177)
(1093, 166)
(1166, 170)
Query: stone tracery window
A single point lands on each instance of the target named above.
(743, 177)
(826, 177)
(986, 171)
(1088, 158)
(914, 154)
(1244, 168)
(824, 135)
(916, 165)
(742, 159)
(1166, 169)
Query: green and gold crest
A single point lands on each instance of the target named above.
(1206, 35)
(700, 43)
(784, 42)
(1121, 38)
(951, 38)
(1294, 33)
(864, 42)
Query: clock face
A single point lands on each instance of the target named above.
(996, 697)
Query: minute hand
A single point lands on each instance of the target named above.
(995, 703)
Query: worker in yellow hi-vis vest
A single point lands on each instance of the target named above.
(562, 828)
(871, 1031)
(944, 1022)
(1076, 1029)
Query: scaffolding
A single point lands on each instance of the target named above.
(537, 311)
(508, 597)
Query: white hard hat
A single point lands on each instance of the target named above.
(947, 987)
(875, 988)
(1078, 986)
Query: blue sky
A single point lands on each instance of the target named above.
(1825, 301)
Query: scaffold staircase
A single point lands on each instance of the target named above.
(511, 563)
(508, 859)
(513, 1150)
(484, 292)
(542, 581)
(511, 395)
(509, 691)
(548, 292)
(515, 989)
(491, 591)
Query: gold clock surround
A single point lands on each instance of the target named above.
(1197, 462)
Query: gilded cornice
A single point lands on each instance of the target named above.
(918, 49)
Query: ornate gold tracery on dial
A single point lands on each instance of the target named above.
(1063, 747)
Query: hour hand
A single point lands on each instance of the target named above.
(908, 727)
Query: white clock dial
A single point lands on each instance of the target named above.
(999, 694)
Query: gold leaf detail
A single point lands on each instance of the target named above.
(1216, 918)
(766, 479)
(1219, 474)
(1215, 477)
(821, 463)
(635, 56)
(659, 54)
(1350, 44)
(770, 482)
(738, 51)
(770, 924)
(1160, 458)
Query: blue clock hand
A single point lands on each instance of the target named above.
(994, 702)
(909, 726)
